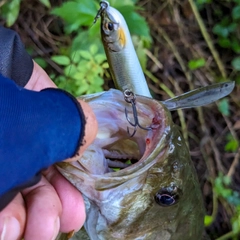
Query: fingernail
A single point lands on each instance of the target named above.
(56, 228)
(11, 229)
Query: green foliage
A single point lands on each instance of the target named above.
(232, 144)
(10, 11)
(227, 31)
(208, 220)
(41, 62)
(196, 63)
(223, 106)
(46, 3)
(136, 23)
(236, 63)
(84, 59)
(77, 14)
(222, 188)
(83, 71)
(203, 1)
(236, 221)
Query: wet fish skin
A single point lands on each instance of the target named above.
(122, 205)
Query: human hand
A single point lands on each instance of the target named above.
(53, 204)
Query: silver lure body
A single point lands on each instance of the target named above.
(122, 58)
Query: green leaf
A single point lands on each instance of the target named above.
(221, 30)
(226, 180)
(128, 161)
(93, 49)
(237, 79)
(224, 42)
(66, 11)
(117, 3)
(76, 14)
(115, 169)
(235, 44)
(197, 63)
(223, 107)
(41, 62)
(140, 50)
(78, 76)
(136, 23)
(46, 3)
(99, 58)
(98, 81)
(70, 70)
(234, 199)
(236, 225)
(82, 89)
(85, 54)
(236, 63)
(236, 13)
(200, 2)
(208, 220)
(61, 60)
(11, 11)
(75, 57)
(232, 27)
(105, 65)
(232, 146)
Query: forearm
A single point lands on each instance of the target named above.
(37, 129)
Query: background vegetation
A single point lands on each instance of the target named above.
(181, 45)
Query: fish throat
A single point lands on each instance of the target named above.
(114, 150)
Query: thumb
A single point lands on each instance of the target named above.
(91, 128)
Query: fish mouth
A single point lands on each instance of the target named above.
(114, 154)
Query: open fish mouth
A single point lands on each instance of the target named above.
(153, 196)
(113, 148)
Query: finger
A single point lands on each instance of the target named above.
(91, 128)
(43, 211)
(39, 79)
(12, 219)
(73, 209)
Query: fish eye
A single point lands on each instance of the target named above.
(166, 198)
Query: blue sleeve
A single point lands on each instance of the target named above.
(15, 63)
(37, 129)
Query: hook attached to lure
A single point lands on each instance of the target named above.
(103, 5)
(130, 97)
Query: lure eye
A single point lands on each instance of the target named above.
(110, 26)
(166, 198)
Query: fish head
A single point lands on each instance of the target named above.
(154, 196)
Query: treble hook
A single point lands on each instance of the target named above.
(103, 6)
(130, 97)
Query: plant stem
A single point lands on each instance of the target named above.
(226, 236)
(208, 39)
